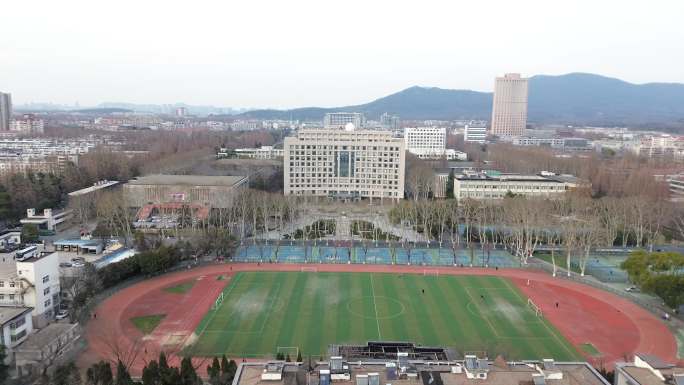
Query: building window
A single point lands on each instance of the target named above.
(46, 291)
(11, 284)
(46, 278)
(47, 303)
(2, 283)
(11, 297)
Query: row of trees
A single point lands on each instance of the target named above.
(155, 372)
(575, 222)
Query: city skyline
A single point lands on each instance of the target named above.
(310, 53)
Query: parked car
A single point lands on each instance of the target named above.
(78, 264)
(632, 289)
(65, 264)
(78, 259)
(62, 314)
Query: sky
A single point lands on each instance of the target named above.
(291, 53)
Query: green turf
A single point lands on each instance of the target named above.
(590, 349)
(181, 288)
(147, 323)
(262, 311)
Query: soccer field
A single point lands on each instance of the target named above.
(264, 311)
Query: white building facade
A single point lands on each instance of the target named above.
(341, 119)
(509, 110)
(5, 111)
(344, 164)
(475, 134)
(482, 186)
(34, 284)
(430, 143)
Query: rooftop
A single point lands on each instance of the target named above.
(498, 372)
(8, 313)
(46, 335)
(97, 186)
(190, 180)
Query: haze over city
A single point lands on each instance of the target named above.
(291, 54)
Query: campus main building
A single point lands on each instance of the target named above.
(344, 164)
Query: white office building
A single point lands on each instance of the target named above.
(5, 111)
(341, 119)
(494, 185)
(430, 143)
(475, 134)
(509, 110)
(33, 283)
(344, 164)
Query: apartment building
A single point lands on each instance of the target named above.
(430, 143)
(341, 119)
(494, 185)
(475, 133)
(51, 164)
(28, 123)
(509, 111)
(660, 146)
(32, 283)
(344, 164)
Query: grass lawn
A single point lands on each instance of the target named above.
(264, 311)
(590, 349)
(561, 261)
(181, 288)
(147, 323)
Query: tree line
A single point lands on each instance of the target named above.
(575, 223)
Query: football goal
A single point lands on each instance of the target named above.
(309, 270)
(536, 309)
(283, 352)
(431, 273)
(218, 302)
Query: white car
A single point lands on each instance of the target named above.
(77, 264)
(62, 314)
(632, 289)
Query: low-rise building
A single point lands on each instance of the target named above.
(342, 119)
(50, 220)
(164, 200)
(411, 371)
(647, 369)
(9, 239)
(495, 185)
(264, 152)
(15, 326)
(46, 347)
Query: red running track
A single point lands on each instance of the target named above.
(617, 327)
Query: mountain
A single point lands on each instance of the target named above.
(576, 98)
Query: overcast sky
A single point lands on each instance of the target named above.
(289, 53)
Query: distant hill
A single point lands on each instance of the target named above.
(103, 110)
(576, 98)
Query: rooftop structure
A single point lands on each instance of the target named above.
(342, 119)
(101, 185)
(416, 372)
(188, 180)
(49, 220)
(646, 369)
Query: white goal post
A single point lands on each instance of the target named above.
(218, 302)
(432, 273)
(534, 307)
(309, 270)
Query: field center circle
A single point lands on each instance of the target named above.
(396, 307)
